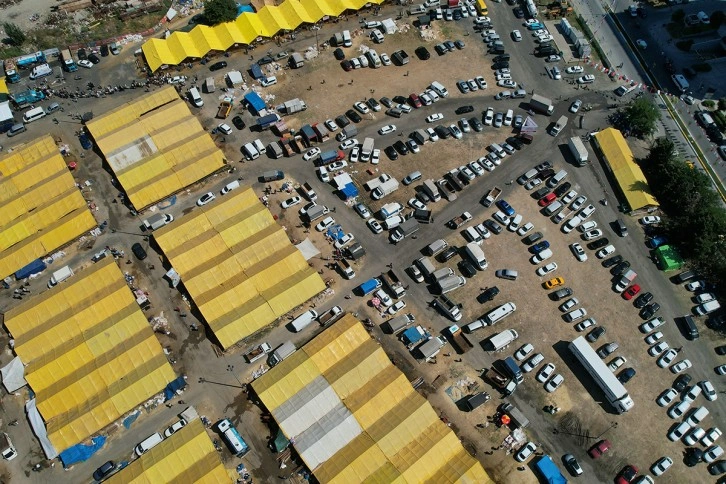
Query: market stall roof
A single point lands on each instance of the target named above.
(354, 417)
(238, 265)
(89, 352)
(42, 208)
(247, 27)
(155, 146)
(187, 456)
(628, 174)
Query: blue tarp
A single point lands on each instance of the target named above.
(350, 190)
(80, 452)
(128, 421)
(173, 386)
(255, 102)
(335, 232)
(33, 268)
(411, 336)
(549, 471)
(308, 133)
(244, 8)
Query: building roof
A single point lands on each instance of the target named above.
(269, 21)
(42, 209)
(187, 456)
(155, 146)
(627, 173)
(238, 265)
(89, 352)
(354, 417)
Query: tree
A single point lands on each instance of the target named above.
(15, 35)
(641, 117)
(717, 18)
(219, 11)
(678, 16)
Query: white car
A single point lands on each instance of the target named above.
(692, 437)
(434, 117)
(383, 297)
(489, 117)
(337, 165)
(311, 153)
(205, 199)
(545, 372)
(578, 252)
(576, 314)
(650, 220)
(387, 129)
(175, 428)
(455, 131)
(344, 240)
(376, 157)
(534, 182)
(652, 324)
(330, 124)
(516, 35)
(582, 326)
(268, 81)
(692, 394)
(681, 366)
(323, 174)
(347, 144)
(665, 398)
(709, 392)
(523, 352)
(325, 223)
(481, 82)
(544, 270)
(525, 452)
(695, 286)
(658, 348)
(569, 197)
(712, 453)
(554, 383)
(355, 154)
(85, 63)
(374, 226)
(525, 229)
(575, 70)
(575, 106)
(677, 410)
(224, 128)
(433, 136)
(417, 204)
(617, 362)
(592, 234)
(666, 358)
(476, 168)
(396, 307)
(291, 202)
(532, 363)
(385, 60)
(361, 107)
(508, 83)
(571, 224)
(711, 436)
(653, 338)
(578, 202)
(678, 431)
(586, 212)
(605, 251)
(586, 79)
(569, 304)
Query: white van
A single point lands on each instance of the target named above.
(442, 273)
(377, 36)
(347, 42)
(261, 149)
(33, 115)
(304, 320)
(148, 444)
(474, 325)
(195, 98)
(229, 187)
(493, 317)
(473, 235)
(477, 256)
(498, 150)
(436, 246)
(41, 71)
(60, 275)
(707, 308)
(559, 176)
(425, 265)
(439, 88)
(250, 151)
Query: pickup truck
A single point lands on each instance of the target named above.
(491, 197)
(224, 109)
(257, 352)
(504, 383)
(457, 222)
(393, 283)
(330, 316)
(458, 339)
(309, 192)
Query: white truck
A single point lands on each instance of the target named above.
(377, 181)
(558, 126)
(431, 190)
(500, 340)
(449, 283)
(614, 391)
(283, 351)
(157, 221)
(385, 188)
(367, 149)
(432, 347)
(7, 449)
(254, 354)
(578, 150)
(408, 227)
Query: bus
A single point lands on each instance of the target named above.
(481, 7)
(234, 440)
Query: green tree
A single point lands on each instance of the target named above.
(641, 117)
(15, 35)
(722, 103)
(717, 18)
(219, 11)
(678, 16)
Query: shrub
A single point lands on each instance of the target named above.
(684, 45)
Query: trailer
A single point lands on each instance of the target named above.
(393, 283)
(267, 121)
(257, 352)
(578, 150)
(541, 104)
(458, 339)
(614, 391)
(7, 120)
(69, 63)
(491, 196)
(369, 286)
(460, 220)
(330, 316)
(408, 227)
(394, 325)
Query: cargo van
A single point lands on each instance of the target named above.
(511, 368)
(282, 352)
(688, 327)
(250, 151)
(493, 317)
(377, 37)
(195, 98)
(148, 444)
(304, 320)
(621, 228)
(425, 265)
(347, 42)
(412, 177)
(229, 187)
(33, 115)
(473, 235)
(436, 246)
(477, 256)
(60, 275)
(559, 176)
(439, 88)
(261, 149)
(41, 71)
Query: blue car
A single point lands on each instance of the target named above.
(506, 208)
(656, 241)
(539, 247)
(535, 26)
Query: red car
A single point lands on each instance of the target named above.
(630, 292)
(415, 101)
(547, 199)
(627, 474)
(599, 449)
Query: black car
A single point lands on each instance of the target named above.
(476, 124)
(720, 350)
(500, 65)
(694, 456)
(339, 54)
(456, 15)
(626, 375)
(346, 65)
(487, 295)
(595, 334)
(545, 165)
(620, 269)
(138, 251)
(561, 293)
(518, 12)
(238, 123)
(401, 147)
(459, 44)
(532, 238)
(265, 60)
(373, 104)
(353, 116)
(545, 174)
(442, 131)
(598, 244)
(93, 58)
(515, 142)
(562, 189)
(643, 299)
(464, 110)
(617, 259)
(493, 226)
(717, 468)
(82, 54)
(400, 99)
(680, 383)
(447, 254)
(104, 471)
(467, 268)
(218, 65)
(386, 102)
(650, 310)
(540, 193)
(342, 121)
(104, 50)
(423, 53)
(391, 153)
